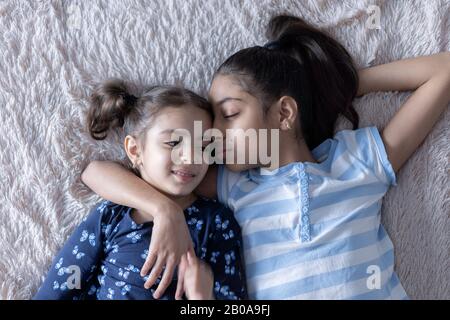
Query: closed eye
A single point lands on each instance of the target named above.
(205, 145)
(231, 115)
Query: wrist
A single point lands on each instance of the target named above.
(203, 296)
(165, 208)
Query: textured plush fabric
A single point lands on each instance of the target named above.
(53, 52)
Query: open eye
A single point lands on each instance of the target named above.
(173, 143)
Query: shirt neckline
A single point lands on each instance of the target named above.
(326, 148)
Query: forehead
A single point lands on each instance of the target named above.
(225, 86)
(183, 117)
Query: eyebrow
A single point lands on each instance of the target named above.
(172, 130)
(167, 131)
(226, 100)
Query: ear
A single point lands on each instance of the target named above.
(132, 149)
(288, 109)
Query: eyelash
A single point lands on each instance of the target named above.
(231, 115)
(175, 143)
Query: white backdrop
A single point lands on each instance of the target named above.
(52, 52)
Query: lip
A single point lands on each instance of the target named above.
(183, 175)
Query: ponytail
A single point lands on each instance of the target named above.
(112, 106)
(111, 103)
(306, 64)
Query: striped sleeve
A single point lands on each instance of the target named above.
(367, 146)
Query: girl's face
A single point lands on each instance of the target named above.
(236, 109)
(162, 142)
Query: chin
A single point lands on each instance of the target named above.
(181, 191)
(240, 167)
(175, 190)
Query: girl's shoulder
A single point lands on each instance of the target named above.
(363, 150)
(109, 211)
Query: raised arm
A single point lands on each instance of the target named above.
(114, 182)
(429, 76)
(119, 185)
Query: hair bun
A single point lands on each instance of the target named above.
(111, 103)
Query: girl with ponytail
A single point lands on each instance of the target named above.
(104, 256)
(311, 228)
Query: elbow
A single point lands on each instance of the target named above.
(444, 71)
(87, 173)
(447, 70)
(446, 62)
(442, 65)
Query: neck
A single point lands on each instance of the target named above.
(292, 150)
(184, 201)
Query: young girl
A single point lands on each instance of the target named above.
(311, 229)
(102, 258)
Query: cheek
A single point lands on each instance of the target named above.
(248, 121)
(203, 170)
(272, 119)
(158, 160)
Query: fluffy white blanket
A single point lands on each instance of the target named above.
(52, 52)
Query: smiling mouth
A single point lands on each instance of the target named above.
(183, 175)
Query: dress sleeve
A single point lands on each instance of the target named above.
(72, 271)
(366, 145)
(226, 259)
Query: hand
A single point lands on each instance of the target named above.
(170, 240)
(195, 278)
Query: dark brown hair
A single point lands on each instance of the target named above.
(112, 105)
(306, 64)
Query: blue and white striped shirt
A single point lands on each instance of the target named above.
(312, 230)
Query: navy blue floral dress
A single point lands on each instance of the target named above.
(103, 257)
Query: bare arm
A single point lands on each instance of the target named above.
(115, 183)
(112, 181)
(429, 76)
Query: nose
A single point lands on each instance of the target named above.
(186, 155)
(219, 125)
(188, 151)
